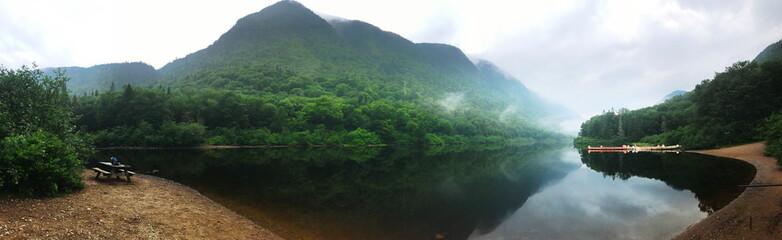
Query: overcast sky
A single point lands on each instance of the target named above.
(586, 55)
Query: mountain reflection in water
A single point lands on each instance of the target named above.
(455, 191)
(631, 196)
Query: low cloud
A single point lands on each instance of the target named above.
(588, 62)
(508, 112)
(452, 101)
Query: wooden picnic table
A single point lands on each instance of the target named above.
(114, 170)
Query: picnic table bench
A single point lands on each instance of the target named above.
(114, 171)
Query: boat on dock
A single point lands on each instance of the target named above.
(628, 148)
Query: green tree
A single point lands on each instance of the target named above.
(772, 133)
(325, 110)
(39, 151)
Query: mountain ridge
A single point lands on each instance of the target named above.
(100, 77)
(289, 41)
(672, 94)
(772, 51)
(312, 46)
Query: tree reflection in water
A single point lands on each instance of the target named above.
(401, 192)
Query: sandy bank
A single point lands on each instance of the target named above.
(148, 208)
(756, 213)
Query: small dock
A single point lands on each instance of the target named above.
(628, 148)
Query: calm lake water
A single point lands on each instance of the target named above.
(462, 192)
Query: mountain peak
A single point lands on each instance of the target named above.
(673, 94)
(283, 17)
(287, 4)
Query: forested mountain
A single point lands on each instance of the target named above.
(673, 94)
(102, 77)
(773, 51)
(285, 75)
(289, 36)
(739, 105)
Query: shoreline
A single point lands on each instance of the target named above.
(757, 212)
(205, 147)
(152, 207)
(148, 208)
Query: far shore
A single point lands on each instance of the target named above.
(238, 147)
(757, 212)
(269, 146)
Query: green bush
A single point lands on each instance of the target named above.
(181, 134)
(688, 136)
(39, 150)
(39, 164)
(772, 133)
(362, 137)
(170, 134)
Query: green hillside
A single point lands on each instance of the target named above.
(773, 51)
(102, 77)
(289, 36)
(673, 94)
(739, 105)
(284, 75)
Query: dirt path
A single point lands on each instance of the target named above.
(756, 213)
(148, 208)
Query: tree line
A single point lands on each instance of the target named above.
(258, 104)
(739, 105)
(45, 134)
(138, 116)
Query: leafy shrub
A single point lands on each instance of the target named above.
(772, 133)
(181, 134)
(170, 134)
(362, 137)
(688, 136)
(39, 164)
(39, 151)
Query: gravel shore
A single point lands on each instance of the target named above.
(757, 212)
(147, 208)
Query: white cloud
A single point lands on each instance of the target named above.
(86, 33)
